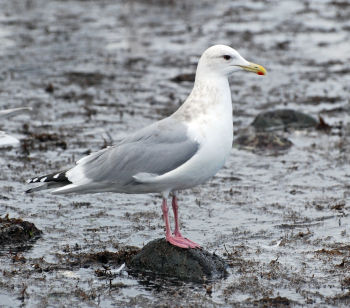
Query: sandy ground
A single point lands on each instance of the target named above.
(95, 70)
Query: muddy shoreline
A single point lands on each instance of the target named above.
(95, 70)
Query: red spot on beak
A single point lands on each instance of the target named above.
(260, 73)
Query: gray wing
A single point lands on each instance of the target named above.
(156, 149)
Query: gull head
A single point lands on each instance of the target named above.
(222, 60)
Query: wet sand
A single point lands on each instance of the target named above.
(95, 70)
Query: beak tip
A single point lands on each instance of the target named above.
(255, 68)
(261, 70)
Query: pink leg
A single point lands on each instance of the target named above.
(176, 217)
(169, 237)
(177, 227)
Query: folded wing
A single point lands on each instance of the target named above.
(152, 151)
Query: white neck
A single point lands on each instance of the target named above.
(210, 93)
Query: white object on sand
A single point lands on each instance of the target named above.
(5, 139)
(11, 112)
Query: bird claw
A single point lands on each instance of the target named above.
(191, 243)
(181, 242)
(186, 240)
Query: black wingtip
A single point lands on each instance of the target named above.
(53, 177)
(53, 180)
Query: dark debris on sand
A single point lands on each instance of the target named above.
(107, 258)
(16, 230)
(158, 258)
(184, 77)
(261, 141)
(42, 141)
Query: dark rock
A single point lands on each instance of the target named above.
(262, 141)
(259, 136)
(282, 119)
(160, 257)
(14, 230)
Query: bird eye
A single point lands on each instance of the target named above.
(227, 57)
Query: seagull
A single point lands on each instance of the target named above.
(178, 152)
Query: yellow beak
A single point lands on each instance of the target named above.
(255, 68)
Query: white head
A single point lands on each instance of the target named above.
(222, 60)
